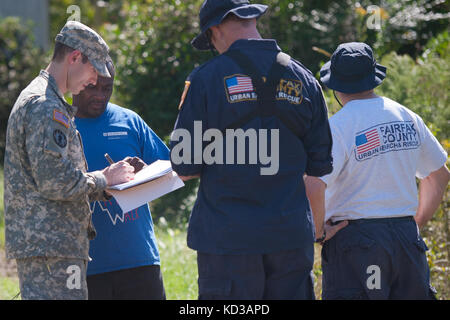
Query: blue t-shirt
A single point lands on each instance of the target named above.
(238, 210)
(124, 240)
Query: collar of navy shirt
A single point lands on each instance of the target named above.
(255, 44)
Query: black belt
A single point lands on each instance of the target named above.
(378, 220)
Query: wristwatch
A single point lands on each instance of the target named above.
(321, 240)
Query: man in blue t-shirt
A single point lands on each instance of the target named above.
(125, 258)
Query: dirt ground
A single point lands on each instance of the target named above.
(7, 267)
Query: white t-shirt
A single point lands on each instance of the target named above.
(379, 147)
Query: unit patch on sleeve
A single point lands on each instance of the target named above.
(60, 138)
(290, 90)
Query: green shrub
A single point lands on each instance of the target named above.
(20, 61)
(2, 212)
(422, 85)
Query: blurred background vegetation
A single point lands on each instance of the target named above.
(150, 44)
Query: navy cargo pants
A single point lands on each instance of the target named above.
(282, 275)
(376, 259)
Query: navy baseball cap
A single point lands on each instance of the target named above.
(352, 69)
(212, 12)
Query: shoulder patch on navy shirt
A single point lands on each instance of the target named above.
(290, 90)
(239, 87)
(187, 84)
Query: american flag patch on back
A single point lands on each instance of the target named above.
(386, 137)
(367, 141)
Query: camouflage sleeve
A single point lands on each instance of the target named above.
(56, 156)
(99, 196)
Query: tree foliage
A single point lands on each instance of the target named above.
(422, 84)
(152, 51)
(19, 63)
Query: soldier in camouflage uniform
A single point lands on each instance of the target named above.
(47, 187)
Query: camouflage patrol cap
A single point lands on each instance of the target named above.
(80, 37)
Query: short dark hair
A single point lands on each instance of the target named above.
(61, 50)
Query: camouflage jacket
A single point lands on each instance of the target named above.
(47, 188)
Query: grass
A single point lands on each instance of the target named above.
(2, 212)
(178, 264)
(9, 287)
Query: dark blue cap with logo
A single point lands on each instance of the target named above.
(352, 69)
(213, 12)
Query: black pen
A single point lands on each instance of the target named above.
(109, 158)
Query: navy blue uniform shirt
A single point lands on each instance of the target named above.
(238, 210)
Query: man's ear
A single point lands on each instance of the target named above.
(73, 56)
(216, 33)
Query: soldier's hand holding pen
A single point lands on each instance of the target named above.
(118, 172)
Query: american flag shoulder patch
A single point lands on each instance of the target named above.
(61, 118)
(239, 88)
(239, 84)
